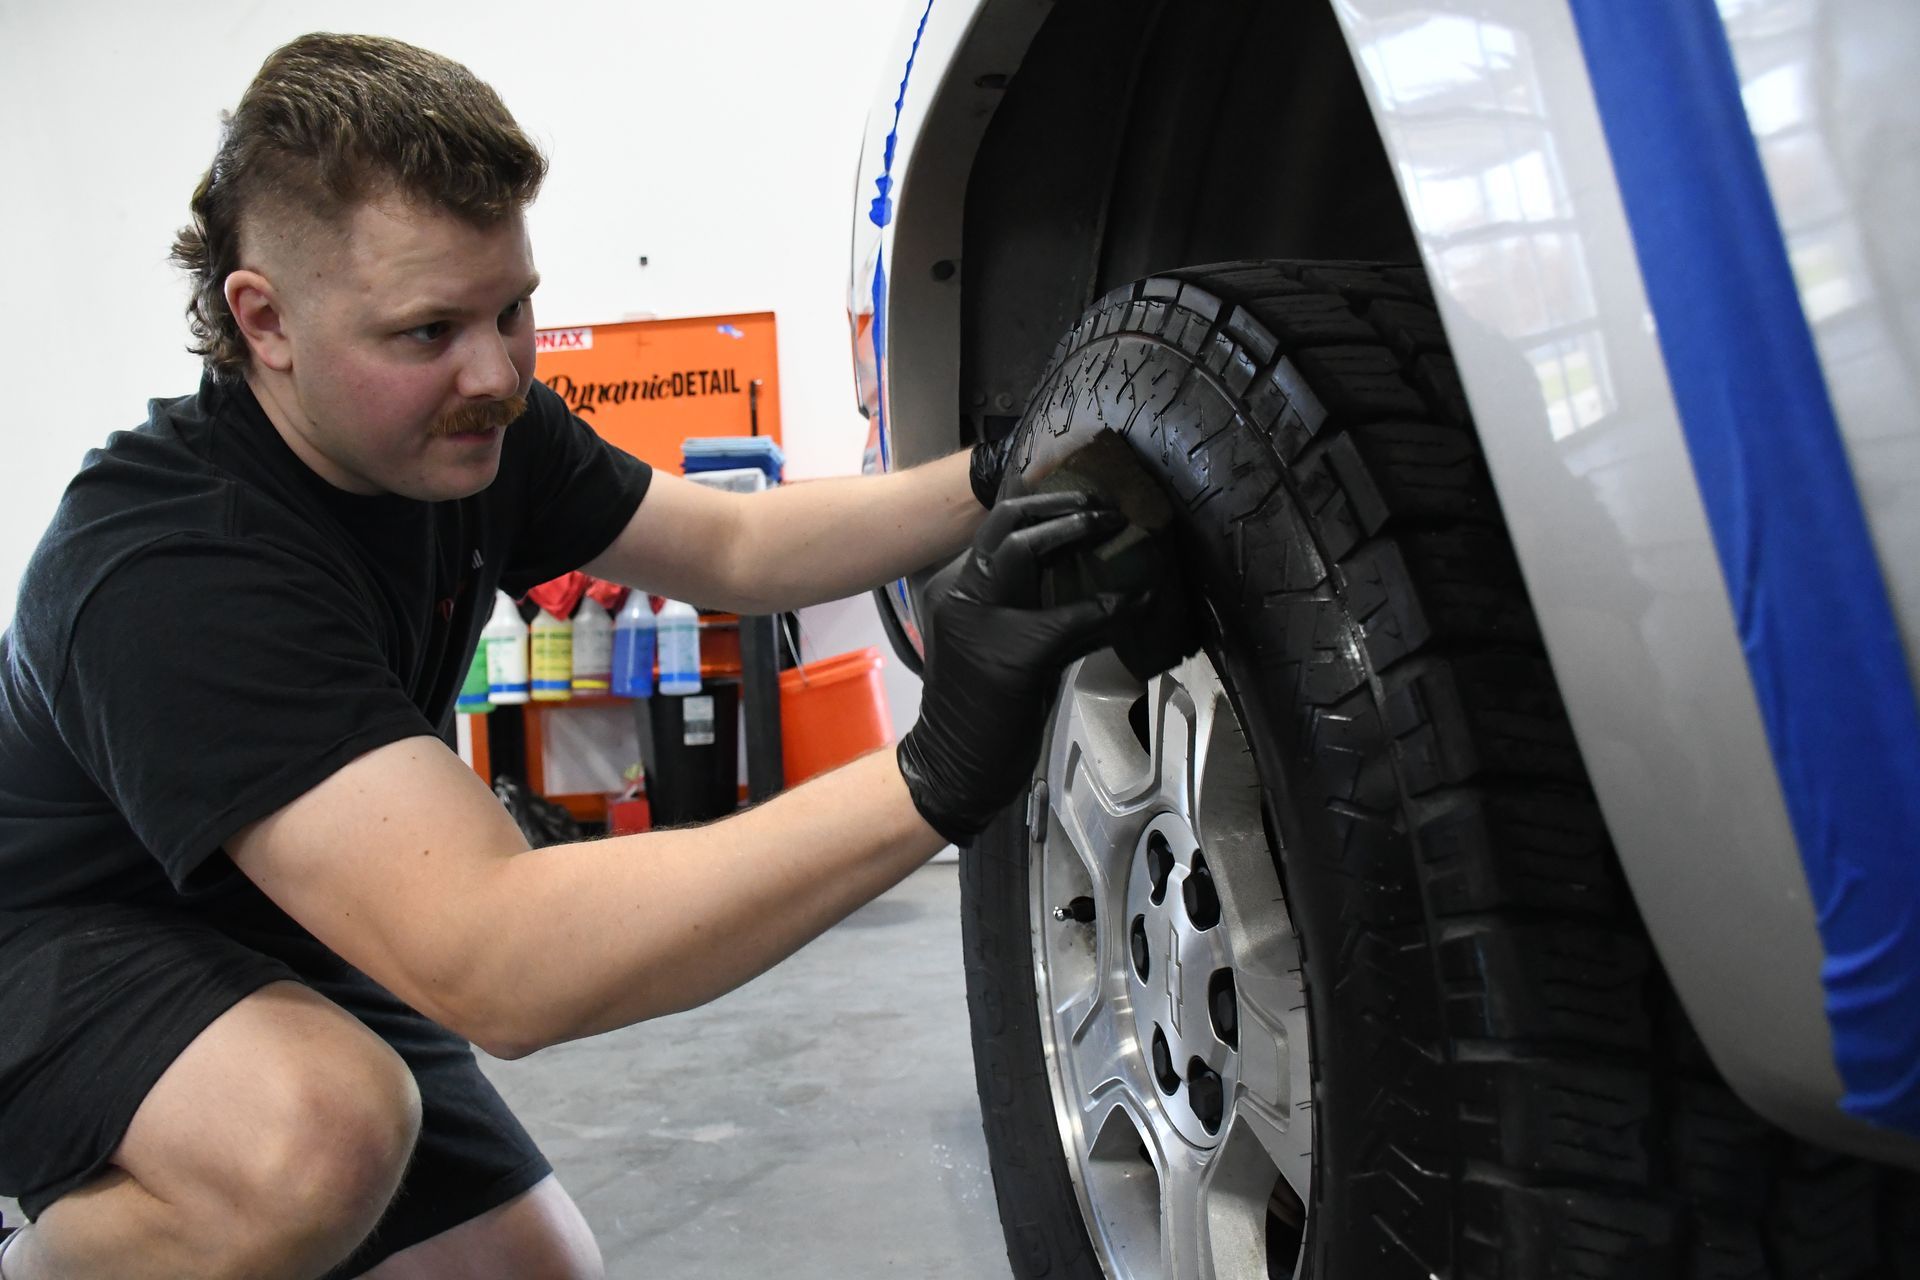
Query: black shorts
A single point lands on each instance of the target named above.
(97, 1001)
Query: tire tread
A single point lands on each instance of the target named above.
(1525, 1098)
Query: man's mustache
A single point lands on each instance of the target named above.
(480, 417)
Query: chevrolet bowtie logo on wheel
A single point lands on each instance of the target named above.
(1173, 977)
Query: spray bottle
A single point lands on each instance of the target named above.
(679, 648)
(473, 700)
(552, 658)
(633, 640)
(505, 644)
(592, 648)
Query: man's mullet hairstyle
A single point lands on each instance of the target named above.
(332, 121)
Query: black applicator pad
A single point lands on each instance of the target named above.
(1140, 557)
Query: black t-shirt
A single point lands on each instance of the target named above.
(208, 630)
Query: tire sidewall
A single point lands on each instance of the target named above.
(1347, 889)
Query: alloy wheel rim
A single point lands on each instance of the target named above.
(1174, 1021)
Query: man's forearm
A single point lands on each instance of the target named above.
(589, 937)
(827, 539)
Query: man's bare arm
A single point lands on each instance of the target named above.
(406, 865)
(796, 545)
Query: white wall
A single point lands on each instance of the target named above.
(719, 140)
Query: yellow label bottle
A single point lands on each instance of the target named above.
(552, 658)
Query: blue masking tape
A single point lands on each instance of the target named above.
(1822, 646)
(881, 213)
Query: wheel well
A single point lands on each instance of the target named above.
(1142, 135)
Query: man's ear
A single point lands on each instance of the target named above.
(256, 308)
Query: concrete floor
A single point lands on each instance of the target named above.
(817, 1124)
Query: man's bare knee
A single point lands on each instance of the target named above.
(278, 1137)
(333, 1156)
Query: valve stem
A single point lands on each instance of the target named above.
(1080, 911)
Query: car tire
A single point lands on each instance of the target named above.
(1498, 1080)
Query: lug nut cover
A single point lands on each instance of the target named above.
(1224, 1006)
(1204, 1090)
(1203, 901)
(1159, 865)
(1163, 1072)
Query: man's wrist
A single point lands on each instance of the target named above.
(952, 828)
(986, 468)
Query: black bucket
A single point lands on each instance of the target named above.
(696, 754)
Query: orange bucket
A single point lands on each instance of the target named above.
(832, 711)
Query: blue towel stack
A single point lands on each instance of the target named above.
(726, 453)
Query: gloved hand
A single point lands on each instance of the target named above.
(988, 467)
(995, 656)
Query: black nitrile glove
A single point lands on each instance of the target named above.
(988, 467)
(995, 657)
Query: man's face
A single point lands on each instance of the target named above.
(409, 347)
